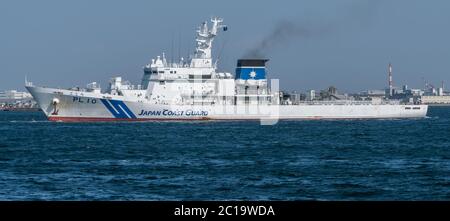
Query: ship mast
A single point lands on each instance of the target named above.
(204, 39)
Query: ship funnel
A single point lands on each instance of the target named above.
(251, 69)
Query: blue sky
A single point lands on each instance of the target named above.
(346, 43)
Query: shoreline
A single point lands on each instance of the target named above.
(20, 109)
(438, 105)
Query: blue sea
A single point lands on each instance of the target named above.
(403, 159)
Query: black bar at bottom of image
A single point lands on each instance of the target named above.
(223, 209)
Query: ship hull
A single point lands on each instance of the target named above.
(73, 106)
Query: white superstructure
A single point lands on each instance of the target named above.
(193, 89)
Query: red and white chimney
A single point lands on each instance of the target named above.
(390, 80)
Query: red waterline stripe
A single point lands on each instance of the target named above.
(100, 119)
(95, 119)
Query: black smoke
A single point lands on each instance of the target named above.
(357, 15)
(282, 32)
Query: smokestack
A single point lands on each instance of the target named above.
(251, 69)
(390, 79)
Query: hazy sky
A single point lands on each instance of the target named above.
(311, 43)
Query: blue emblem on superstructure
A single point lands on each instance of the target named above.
(254, 73)
(118, 109)
(251, 69)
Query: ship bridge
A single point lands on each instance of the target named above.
(188, 82)
(199, 66)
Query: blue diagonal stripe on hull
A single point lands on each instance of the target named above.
(115, 111)
(121, 105)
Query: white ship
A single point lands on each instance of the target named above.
(193, 89)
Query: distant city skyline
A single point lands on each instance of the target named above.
(310, 44)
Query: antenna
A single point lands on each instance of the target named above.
(27, 83)
(219, 55)
(179, 46)
(171, 53)
(188, 50)
(425, 82)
